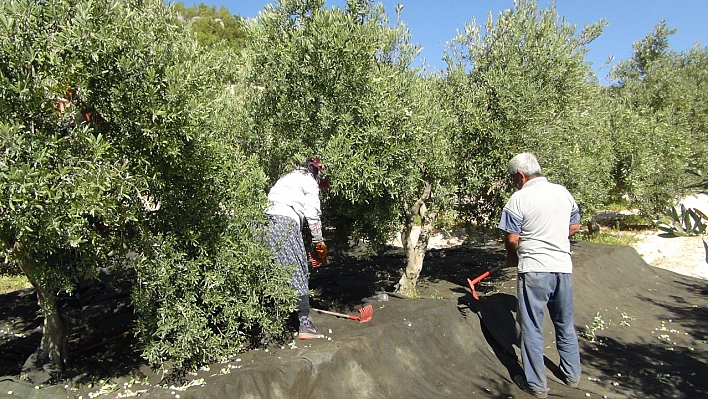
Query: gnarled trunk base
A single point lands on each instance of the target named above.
(415, 247)
(54, 345)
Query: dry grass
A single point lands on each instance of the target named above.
(13, 283)
(611, 237)
(618, 227)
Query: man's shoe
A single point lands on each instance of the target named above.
(520, 382)
(307, 329)
(570, 383)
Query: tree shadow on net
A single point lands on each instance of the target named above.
(348, 279)
(650, 370)
(644, 369)
(101, 342)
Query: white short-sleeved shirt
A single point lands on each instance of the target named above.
(296, 195)
(540, 213)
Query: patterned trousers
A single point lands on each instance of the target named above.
(285, 239)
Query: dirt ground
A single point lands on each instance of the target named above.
(683, 255)
(644, 333)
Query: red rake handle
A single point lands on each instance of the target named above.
(346, 316)
(366, 312)
(480, 278)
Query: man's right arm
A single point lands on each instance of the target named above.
(511, 224)
(511, 242)
(574, 226)
(572, 229)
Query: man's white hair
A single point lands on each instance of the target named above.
(525, 163)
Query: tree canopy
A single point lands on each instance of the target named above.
(343, 90)
(522, 86)
(660, 120)
(110, 147)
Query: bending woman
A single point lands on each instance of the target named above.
(295, 201)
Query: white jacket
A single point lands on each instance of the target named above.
(297, 195)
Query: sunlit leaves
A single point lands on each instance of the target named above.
(523, 85)
(110, 145)
(661, 119)
(338, 84)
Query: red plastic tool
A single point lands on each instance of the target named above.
(478, 279)
(365, 314)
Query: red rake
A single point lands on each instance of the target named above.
(478, 279)
(365, 314)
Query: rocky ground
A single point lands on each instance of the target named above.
(683, 255)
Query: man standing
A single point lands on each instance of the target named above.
(538, 220)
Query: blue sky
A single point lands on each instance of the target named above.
(435, 22)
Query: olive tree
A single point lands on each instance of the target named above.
(56, 171)
(520, 83)
(660, 119)
(110, 146)
(338, 84)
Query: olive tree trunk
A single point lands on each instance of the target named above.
(56, 329)
(415, 247)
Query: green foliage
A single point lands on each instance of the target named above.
(9, 283)
(659, 120)
(200, 309)
(686, 222)
(337, 84)
(649, 161)
(523, 85)
(590, 331)
(59, 173)
(619, 235)
(647, 53)
(611, 239)
(110, 145)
